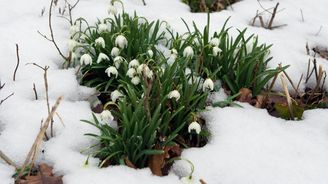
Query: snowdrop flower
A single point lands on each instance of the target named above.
(172, 59)
(174, 94)
(73, 29)
(208, 85)
(174, 51)
(111, 9)
(111, 70)
(116, 95)
(150, 74)
(117, 61)
(188, 52)
(150, 53)
(100, 42)
(86, 59)
(215, 42)
(143, 68)
(72, 44)
(131, 72)
(187, 180)
(115, 52)
(216, 50)
(106, 116)
(135, 80)
(102, 57)
(194, 126)
(134, 63)
(102, 28)
(121, 41)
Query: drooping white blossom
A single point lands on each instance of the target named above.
(111, 9)
(135, 80)
(121, 41)
(174, 51)
(194, 126)
(116, 95)
(216, 50)
(115, 52)
(131, 72)
(134, 63)
(111, 71)
(208, 85)
(86, 59)
(102, 57)
(106, 116)
(100, 42)
(72, 44)
(102, 27)
(215, 42)
(188, 52)
(117, 61)
(144, 69)
(150, 53)
(174, 94)
(73, 29)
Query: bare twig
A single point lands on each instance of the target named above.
(33, 151)
(7, 160)
(16, 68)
(273, 16)
(3, 100)
(35, 93)
(307, 48)
(317, 34)
(302, 15)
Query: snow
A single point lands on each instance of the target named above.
(247, 144)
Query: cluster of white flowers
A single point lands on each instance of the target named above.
(102, 57)
(174, 94)
(194, 126)
(100, 42)
(208, 85)
(188, 52)
(121, 41)
(116, 95)
(111, 71)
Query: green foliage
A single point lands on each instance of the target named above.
(208, 5)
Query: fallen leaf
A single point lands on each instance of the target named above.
(245, 95)
(44, 176)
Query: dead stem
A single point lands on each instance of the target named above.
(16, 68)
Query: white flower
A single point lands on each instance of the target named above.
(216, 50)
(215, 42)
(117, 61)
(144, 69)
(86, 59)
(121, 41)
(131, 72)
(102, 57)
(150, 74)
(73, 29)
(174, 51)
(174, 94)
(111, 9)
(106, 116)
(194, 126)
(208, 85)
(111, 70)
(102, 28)
(134, 63)
(188, 52)
(100, 42)
(171, 59)
(116, 95)
(187, 180)
(72, 44)
(73, 56)
(115, 52)
(150, 53)
(135, 80)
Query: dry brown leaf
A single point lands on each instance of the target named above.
(129, 163)
(44, 176)
(202, 181)
(245, 95)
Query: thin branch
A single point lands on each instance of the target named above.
(16, 68)
(7, 160)
(35, 93)
(3, 100)
(273, 16)
(302, 15)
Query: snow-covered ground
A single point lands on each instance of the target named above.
(247, 144)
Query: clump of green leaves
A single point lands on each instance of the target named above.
(208, 5)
